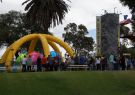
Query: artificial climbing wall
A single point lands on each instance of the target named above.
(109, 34)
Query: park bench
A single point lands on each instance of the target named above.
(2, 68)
(77, 67)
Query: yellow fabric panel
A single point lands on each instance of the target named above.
(17, 45)
(61, 43)
(45, 39)
(32, 45)
(4, 56)
(45, 45)
(54, 46)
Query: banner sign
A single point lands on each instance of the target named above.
(98, 34)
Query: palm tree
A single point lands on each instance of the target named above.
(130, 4)
(46, 13)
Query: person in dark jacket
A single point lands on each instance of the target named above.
(103, 63)
(39, 66)
(122, 62)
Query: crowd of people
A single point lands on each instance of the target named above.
(112, 63)
(41, 64)
(105, 63)
(58, 63)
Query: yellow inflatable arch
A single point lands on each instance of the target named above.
(45, 39)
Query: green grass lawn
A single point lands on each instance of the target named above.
(67, 83)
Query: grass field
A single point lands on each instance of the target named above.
(67, 83)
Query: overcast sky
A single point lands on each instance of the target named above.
(81, 12)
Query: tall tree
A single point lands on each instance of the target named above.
(13, 25)
(46, 13)
(76, 36)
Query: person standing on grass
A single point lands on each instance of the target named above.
(82, 60)
(72, 61)
(29, 63)
(97, 63)
(133, 62)
(24, 61)
(38, 64)
(43, 62)
(115, 64)
(51, 62)
(122, 62)
(129, 63)
(103, 63)
(76, 60)
(56, 63)
(111, 62)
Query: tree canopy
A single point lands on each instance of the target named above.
(76, 36)
(46, 13)
(130, 4)
(13, 25)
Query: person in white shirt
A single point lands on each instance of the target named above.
(24, 61)
(98, 63)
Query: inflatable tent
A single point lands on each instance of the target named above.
(45, 39)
